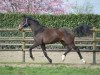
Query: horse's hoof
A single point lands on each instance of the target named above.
(83, 61)
(50, 61)
(32, 58)
(63, 57)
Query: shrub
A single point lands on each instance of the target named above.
(70, 21)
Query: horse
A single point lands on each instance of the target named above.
(44, 35)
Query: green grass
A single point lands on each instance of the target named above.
(57, 70)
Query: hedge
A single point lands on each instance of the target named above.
(72, 20)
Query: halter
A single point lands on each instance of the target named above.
(26, 23)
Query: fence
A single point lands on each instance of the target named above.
(21, 42)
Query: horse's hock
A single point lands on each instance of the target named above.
(72, 57)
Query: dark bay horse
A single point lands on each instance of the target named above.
(44, 35)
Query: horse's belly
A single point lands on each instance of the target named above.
(51, 40)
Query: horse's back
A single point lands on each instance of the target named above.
(51, 35)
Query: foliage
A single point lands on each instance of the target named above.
(68, 21)
(9, 20)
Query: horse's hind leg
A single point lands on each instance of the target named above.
(78, 51)
(45, 53)
(67, 51)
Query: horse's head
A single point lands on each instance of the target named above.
(25, 23)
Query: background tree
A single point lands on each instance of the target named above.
(34, 6)
(86, 8)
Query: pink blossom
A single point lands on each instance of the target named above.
(34, 6)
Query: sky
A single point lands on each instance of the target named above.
(95, 3)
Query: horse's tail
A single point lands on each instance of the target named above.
(83, 30)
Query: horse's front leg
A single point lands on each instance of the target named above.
(45, 53)
(30, 50)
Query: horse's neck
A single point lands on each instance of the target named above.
(35, 29)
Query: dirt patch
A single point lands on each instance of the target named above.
(71, 58)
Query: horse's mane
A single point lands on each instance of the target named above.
(39, 28)
(36, 21)
(31, 18)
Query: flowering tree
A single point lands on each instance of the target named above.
(34, 6)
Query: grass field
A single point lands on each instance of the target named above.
(58, 70)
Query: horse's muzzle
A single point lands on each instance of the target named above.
(20, 28)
